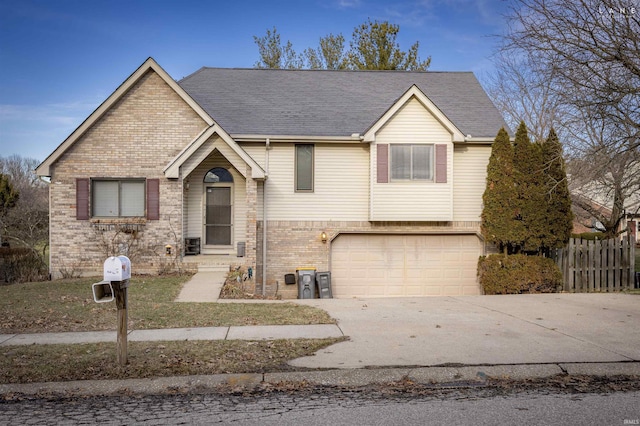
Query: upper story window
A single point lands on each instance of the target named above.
(304, 167)
(118, 197)
(411, 162)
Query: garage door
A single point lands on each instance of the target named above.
(365, 265)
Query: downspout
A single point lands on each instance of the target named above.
(181, 243)
(264, 218)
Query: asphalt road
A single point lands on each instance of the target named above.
(460, 407)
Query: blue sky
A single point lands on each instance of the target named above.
(59, 59)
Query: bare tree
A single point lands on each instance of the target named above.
(591, 51)
(576, 66)
(27, 224)
(605, 176)
(522, 94)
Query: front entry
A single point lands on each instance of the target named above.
(218, 208)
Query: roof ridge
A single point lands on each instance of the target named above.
(329, 70)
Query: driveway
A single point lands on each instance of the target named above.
(474, 330)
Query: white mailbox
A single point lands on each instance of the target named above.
(117, 268)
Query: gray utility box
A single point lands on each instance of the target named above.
(306, 283)
(323, 280)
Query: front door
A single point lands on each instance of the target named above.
(218, 216)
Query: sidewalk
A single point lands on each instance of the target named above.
(254, 332)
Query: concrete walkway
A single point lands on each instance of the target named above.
(203, 287)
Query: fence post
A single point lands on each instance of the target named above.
(571, 252)
(632, 257)
(625, 262)
(598, 265)
(591, 249)
(610, 259)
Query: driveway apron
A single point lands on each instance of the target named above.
(481, 330)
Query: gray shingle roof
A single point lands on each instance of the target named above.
(332, 103)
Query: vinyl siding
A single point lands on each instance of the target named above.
(194, 199)
(407, 200)
(256, 151)
(341, 184)
(469, 180)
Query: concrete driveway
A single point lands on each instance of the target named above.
(473, 330)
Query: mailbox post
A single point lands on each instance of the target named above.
(116, 276)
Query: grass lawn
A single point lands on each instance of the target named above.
(32, 364)
(67, 305)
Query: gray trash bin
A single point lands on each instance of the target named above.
(306, 283)
(323, 279)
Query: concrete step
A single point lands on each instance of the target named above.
(213, 268)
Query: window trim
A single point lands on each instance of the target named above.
(295, 168)
(120, 181)
(411, 178)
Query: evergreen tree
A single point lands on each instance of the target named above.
(499, 198)
(330, 55)
(526, 165)
(559, 216)
(374, 47)
(8, 199)
(274, 54)
(8, 194)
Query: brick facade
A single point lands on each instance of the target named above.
(135, 138)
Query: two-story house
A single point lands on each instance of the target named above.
(376, 176)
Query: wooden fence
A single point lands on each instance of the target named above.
(597, 266)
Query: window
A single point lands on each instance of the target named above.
(118, 198)
(412, 162)
(304, 168)
(218, 174)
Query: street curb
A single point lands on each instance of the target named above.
(439, 376)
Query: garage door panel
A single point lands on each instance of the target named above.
(404, 265)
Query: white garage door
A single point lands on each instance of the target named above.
(366, 265)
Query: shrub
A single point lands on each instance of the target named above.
(19, 265)
(590, 236)
(518, 273)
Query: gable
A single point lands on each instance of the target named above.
(412, 123)
(142, 73)
(414, 112)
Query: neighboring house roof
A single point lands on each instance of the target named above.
(333, 103)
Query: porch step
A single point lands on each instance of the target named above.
(213, 268)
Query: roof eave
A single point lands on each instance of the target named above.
(355, 137)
